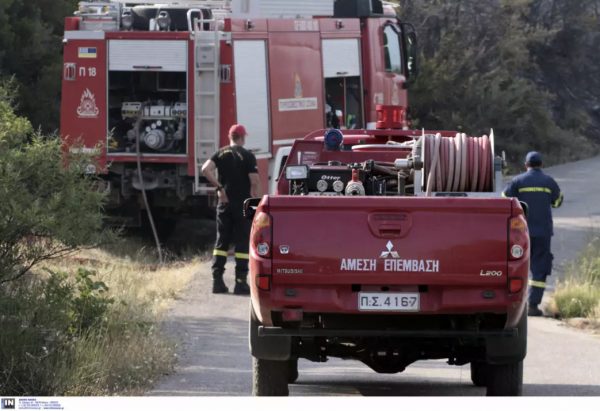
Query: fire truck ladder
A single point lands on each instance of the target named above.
(206, 93)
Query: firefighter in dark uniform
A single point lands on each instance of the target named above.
(541, 193)
(237, 180)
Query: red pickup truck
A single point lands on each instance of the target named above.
(388, 248)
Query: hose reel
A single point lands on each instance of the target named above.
(458, 164)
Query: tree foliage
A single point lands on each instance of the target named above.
(31, 33)
(506, 65)
(48, 206)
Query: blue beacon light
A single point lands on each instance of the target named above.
(333, 139)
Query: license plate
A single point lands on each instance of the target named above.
(388, 301)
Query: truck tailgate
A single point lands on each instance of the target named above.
(389, 241)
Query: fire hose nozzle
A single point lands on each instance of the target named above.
(406, 163)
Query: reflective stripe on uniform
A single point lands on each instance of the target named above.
(220, 252)
(538, 284)
(558, 201)
(504, 194)
(535, 190)
(242, 256)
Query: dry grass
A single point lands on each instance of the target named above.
(138, 280)
(579, 295)
(128, 353)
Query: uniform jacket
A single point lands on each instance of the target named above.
(541, 193)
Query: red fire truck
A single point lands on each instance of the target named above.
(153, 88)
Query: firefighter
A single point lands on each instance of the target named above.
(237, 180)
(541, 193)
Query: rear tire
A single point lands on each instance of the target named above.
(505, 379)
(479, 373)
(292, 370)
(270, 378)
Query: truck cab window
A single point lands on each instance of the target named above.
(391, 46)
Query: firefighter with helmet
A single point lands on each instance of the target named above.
(237, 180)
(541, 193)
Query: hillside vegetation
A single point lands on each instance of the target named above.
(527, 68)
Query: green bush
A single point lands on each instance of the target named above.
(49, 205)
(42, 322)
(63, 335)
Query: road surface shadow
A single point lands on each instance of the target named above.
(431, 388)
(551, 390)
(385, 389)
(213, 358)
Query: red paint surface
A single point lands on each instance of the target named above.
(295, 58)
(77, 130)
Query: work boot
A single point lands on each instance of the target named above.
(219, 286)
(534, 311)
(241, 287)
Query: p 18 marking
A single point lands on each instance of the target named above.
(87, 72)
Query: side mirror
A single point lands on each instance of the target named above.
(409, 37)
(250, 206)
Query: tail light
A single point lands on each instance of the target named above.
(515, 285)
(260, 238)
(518, 248)
(263, 282)
(518, 238)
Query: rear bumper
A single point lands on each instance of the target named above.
(440, 300)
(330, 333)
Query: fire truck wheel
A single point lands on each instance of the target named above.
(292, 370)
(479, 373)
(270, 378)
(505, 379)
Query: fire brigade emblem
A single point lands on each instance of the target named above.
(389, 252)
(87, 106)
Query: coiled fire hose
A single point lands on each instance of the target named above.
(458, 164)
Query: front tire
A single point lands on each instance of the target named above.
(270, 378)
(505, 379)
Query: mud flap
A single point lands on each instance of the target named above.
(277, 348)
(507, 350)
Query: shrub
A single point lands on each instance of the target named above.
(42, 321)
(49, 206)
(579, 296)
(577, 300)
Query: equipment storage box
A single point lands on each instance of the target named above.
(281, 8)
(99, 16)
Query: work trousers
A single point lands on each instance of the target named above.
(232, 229)
(541, 267)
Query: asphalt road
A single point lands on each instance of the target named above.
(214, 359)
(579, 217)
